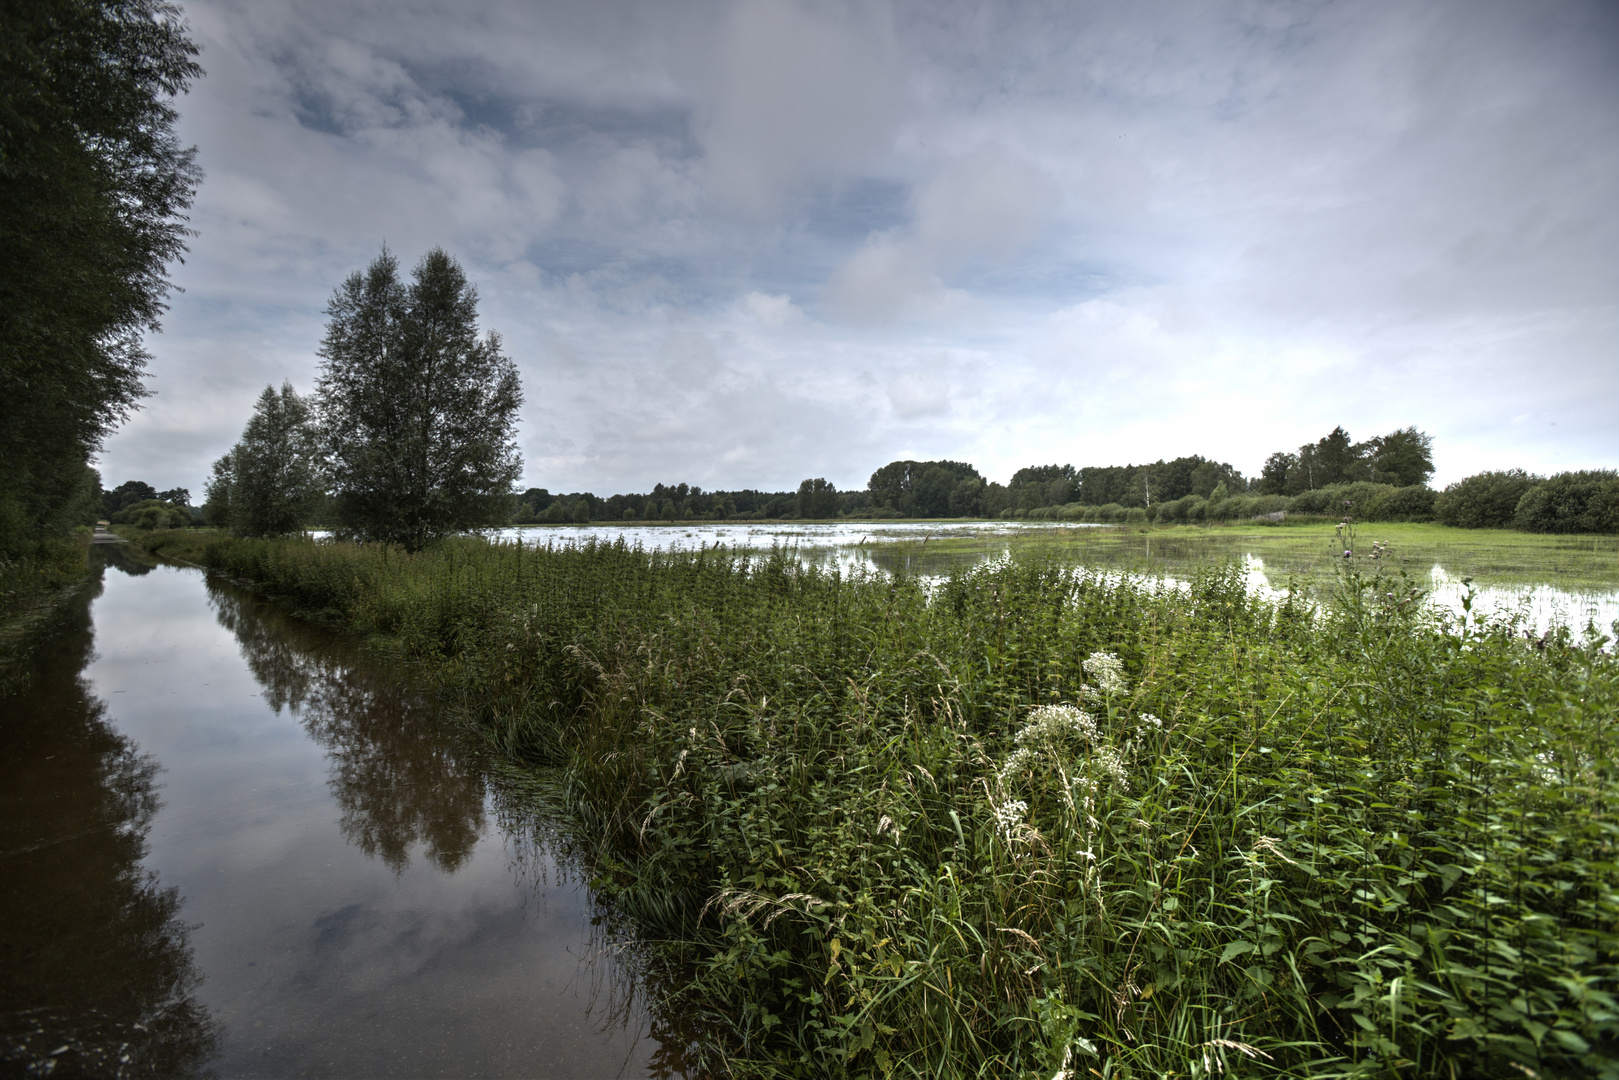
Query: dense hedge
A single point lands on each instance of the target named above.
(1571, 502)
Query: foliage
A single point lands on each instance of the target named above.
(1571, 502)
(1402, 458)
(1484, 500)
(152, 514)
(817, 499)
(93, 186)
(1039, 819)
(270, 482)
(418, 413)
(925, 488)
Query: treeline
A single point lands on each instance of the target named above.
(94, 185)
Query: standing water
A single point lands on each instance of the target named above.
(232, 845)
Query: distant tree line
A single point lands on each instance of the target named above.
(1571, 502)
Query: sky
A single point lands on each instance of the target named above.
(742, 244)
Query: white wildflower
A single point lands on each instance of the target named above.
(1108, 672)
(1009, 815)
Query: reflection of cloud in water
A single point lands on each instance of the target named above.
(392, 772)
(1540, 606)
(1536, 607)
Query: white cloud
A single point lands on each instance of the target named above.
(773, 311)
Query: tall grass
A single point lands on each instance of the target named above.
(1041, 822)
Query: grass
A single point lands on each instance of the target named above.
(1494, 557)
(1040, 821)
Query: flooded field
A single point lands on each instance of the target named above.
(233, 846)
(1550, 580)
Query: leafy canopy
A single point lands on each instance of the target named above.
(93, 189)
(418, 413)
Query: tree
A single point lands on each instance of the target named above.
(418, 413)
(817, 499)
(216, 508)
(270, 482)
(128, 493)
(1402, 458)
(93, 189)
(919, 488)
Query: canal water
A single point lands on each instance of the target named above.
(231, 845)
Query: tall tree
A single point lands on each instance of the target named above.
(418, 412)
(817, 499)
(93, 189)
(270, 482)
(1401, 458)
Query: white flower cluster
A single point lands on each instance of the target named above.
(1048, 727)
(1107, 671)
(1052, 725)
(1009, 815)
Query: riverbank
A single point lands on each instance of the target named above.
(36, 588)
(1040, 818)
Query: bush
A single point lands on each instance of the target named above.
(1486, 500)
(1176, 510)
(1571, 502)
(1414, 503)
(152, 514)
(1260, 505)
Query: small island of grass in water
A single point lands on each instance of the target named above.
(1040, 820)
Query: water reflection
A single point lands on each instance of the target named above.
(395, 777)
(97, 976)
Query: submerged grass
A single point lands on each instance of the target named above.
(1037, 821)
(1303, 551)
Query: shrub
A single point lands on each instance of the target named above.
(152, 514)
(1414, 503)
(1486, 500)
(1571, 502)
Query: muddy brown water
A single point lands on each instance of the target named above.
(231, 845)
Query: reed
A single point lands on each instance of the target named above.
(1040, 821)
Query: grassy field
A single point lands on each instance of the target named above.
(1040, 821)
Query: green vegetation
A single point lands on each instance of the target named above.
(418, 414)
(1042, 820)
(269, 483)
(93, 188)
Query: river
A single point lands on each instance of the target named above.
(234, 845)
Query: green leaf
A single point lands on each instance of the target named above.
(1236, 948)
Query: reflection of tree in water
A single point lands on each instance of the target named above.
(130, 560)
(96, 974)
(392, 771)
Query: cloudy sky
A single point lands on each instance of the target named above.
(740, 244)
